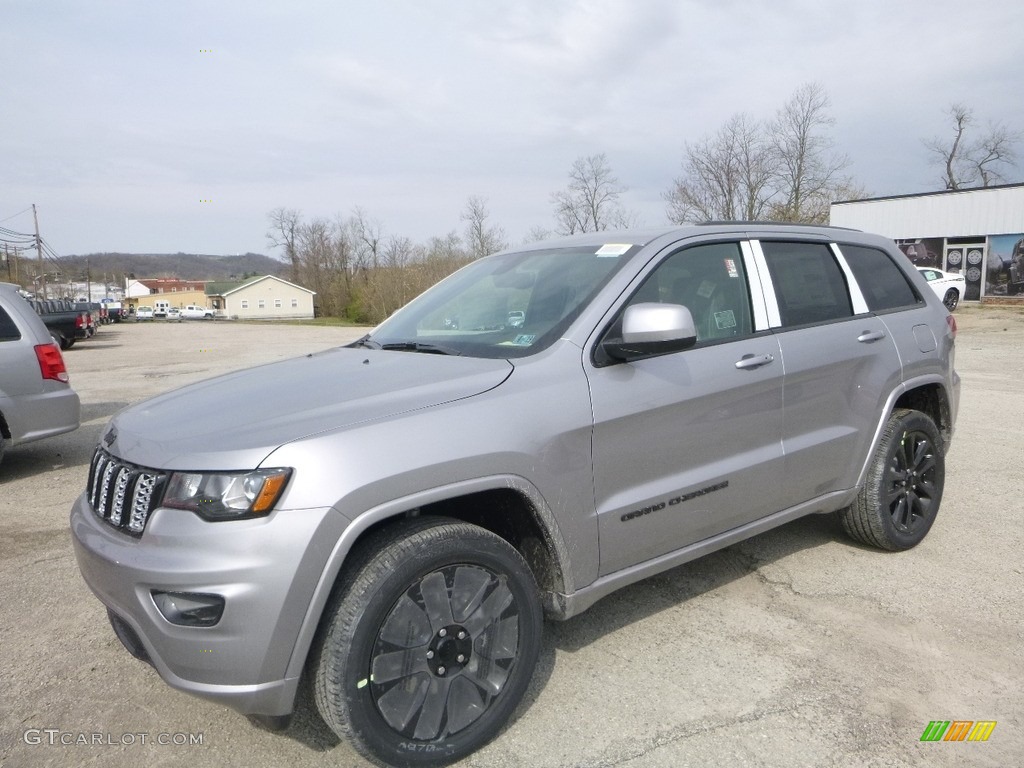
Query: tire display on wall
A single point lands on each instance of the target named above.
(953, 258)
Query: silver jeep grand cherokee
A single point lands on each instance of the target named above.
(393, 518)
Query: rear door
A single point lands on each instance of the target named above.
(688, 445)
(840, 365)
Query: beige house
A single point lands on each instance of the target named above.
(261, 298)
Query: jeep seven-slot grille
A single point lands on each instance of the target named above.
(123, 494)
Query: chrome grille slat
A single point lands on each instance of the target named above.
(122, 494)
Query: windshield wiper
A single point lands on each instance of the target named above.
(418, 346)
(365, 341)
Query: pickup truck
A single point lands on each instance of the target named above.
(65, 323)
(116, 311)
(195, 312)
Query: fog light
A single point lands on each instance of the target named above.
(189, 609)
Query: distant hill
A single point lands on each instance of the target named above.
(186, 266)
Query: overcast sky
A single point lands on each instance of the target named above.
(118, 118)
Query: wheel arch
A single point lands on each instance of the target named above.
(927, 394)
(932, 400)
(515, 511)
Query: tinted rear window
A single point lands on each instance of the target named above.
(8, 330)
(809, 284)
(883, 283)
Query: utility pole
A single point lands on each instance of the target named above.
(39, 252)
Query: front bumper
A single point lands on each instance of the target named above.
(265, 569)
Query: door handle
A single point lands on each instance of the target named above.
(753, 361)
(868, 336)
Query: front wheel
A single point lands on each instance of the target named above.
(951, 299)
(429, 645)
(897, 505)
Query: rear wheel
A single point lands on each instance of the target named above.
(951, 299)
(897, 505)
(431, 644)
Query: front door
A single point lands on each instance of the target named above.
(688, 445)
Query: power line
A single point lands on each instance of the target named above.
(17, 214)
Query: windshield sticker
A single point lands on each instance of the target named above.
(613, 249)
(524, 339)
(730, 267)
(706, 289)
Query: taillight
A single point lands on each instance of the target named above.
(80, 322)
(951, 322)
(51, 362)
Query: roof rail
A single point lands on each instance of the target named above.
(759, 223)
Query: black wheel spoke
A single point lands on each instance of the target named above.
(923, 456)
(893, 496)
(899, 513)
(926, 489)
(465, 704)
(486, 675)
(401, 703)
(500, 641)
(435, 595)
(392, 666)
(434, 706)
(407, 626)
(469, 590)
(490, 610)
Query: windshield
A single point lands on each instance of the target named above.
(510, 305)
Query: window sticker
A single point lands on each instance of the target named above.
(725, 319)
(613, 249)
(730, 267)
(706, 289)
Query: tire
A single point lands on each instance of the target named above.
(3, 448)
(897, 505)
(429, 645)
(951, 299)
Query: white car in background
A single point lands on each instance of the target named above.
(144, 313)
(948, 286)
(174, 315)
(195, 312)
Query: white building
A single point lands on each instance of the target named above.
(979, 232)
(261, 298)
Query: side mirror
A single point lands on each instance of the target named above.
(652, 329)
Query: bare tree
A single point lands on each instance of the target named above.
(978, 162)
(366, 237)
(808, 172)
(781, 170)
(284, 223)
(591, 201)
(726, 176)
(481, 239)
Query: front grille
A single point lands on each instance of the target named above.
(122, 494)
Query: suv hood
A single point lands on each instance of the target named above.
(233, 422)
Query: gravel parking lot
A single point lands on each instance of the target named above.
(794, 648)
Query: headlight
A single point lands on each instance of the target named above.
(226, 495)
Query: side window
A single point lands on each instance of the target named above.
(883, 283)
(809, 284)
(709, 280)
(8, 330)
